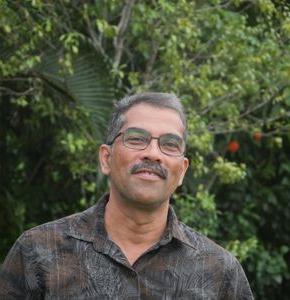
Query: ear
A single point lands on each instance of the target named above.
(105, 159)
(185, 165)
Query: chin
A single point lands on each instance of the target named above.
(148, 200)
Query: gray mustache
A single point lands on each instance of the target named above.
(150, 166)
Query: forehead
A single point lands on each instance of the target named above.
(157, 120)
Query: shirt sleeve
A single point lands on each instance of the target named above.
(236, 285)
(18, 279)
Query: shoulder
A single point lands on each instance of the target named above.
(216, 264)
(205, 247)
(54, 230)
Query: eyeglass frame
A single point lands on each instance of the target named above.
(149, 142)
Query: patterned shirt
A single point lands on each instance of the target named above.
(73, 258)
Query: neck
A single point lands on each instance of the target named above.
(131, 226)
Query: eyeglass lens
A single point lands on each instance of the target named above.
(139, 139)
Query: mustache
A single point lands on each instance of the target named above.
(150, 166)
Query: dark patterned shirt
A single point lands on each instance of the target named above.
(73, 258)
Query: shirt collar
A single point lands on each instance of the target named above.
(176, 229)
(90, 226)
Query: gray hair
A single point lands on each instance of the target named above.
(161, 100)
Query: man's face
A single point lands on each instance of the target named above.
(131, 171)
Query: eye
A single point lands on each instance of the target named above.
(135, 139)
(171, 144)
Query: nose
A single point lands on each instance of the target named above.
(152, 151)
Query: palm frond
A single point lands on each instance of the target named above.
(90, 84)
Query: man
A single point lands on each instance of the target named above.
(130, 245)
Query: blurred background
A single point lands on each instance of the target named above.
(64, 63)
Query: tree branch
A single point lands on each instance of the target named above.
(122, 27)
(260, 105)
(229, 97)
(151, 61)
(8, 91)
(95, 40)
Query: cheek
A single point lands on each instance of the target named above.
(121, 163)
(177, 174)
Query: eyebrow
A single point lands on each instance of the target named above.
(169, 133)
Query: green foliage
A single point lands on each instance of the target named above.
(51, 165)
(48, 151)
(229, 61)
(269, 269)
(198, 211)
(243, 249)
(229, 172)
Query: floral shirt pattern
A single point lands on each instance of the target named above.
(73, 258)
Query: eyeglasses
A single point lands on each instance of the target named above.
(139, 139)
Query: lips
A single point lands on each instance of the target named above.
(148, 173)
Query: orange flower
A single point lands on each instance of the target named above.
(233, 146)
(257, 136)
